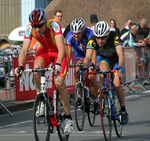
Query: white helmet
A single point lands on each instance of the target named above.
(101, 29)
(77, 25)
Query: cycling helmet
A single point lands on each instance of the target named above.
(37, 16)
(101, 29)
(77, 25)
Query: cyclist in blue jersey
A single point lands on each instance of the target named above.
(78, 37)
(109, 53)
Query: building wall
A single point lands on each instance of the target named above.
(10, 15)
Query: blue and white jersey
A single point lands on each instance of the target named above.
(128, 39)
(79, 46)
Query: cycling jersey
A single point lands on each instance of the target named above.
(47, 40)
(108, 51)
(129, 40)
(79, 46)
(47, 46)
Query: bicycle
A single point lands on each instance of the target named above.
(109, 106)
(43, 125)
(85, 103)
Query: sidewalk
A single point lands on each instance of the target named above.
(23, 105)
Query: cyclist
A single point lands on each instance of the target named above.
(49, 35)
(109, 56)
(78, 38)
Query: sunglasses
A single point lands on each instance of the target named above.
(38, 26)
(102, 38)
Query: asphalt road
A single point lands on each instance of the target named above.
(19, 127)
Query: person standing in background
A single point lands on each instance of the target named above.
(58, 14)
(93, 20)
(113, 27)
(126, 28)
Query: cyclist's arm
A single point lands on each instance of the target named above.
(61, 48)
(69, 52)
(119, 50)
(88, 57)
(23, 52)
(94, 57)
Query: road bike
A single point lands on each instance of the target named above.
(50, 107)
(83, 101)
(109, 106)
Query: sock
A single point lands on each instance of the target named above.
(123, 108)
(68, 116)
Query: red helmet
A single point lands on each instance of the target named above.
(37, 16)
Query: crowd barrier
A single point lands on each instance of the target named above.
(131, 77)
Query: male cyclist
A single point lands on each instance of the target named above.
(51, 45)
(78, 38)
(109, 56)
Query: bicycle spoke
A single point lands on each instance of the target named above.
(117, 123)
(41, 122)
(79, 108)
(91, 110)
(105, 113)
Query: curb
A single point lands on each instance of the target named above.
(17, 106)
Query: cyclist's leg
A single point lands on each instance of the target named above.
(93, 84)
(103, 64)
(121, 96)
(40, 62)
(118, 87)
(64, 96)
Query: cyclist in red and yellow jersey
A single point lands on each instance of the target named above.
(51, 45)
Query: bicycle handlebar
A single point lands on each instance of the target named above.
(105, 72)
(76, 65)
(38, 70)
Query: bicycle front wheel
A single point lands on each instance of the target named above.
(79, 107)
(91, 109)
(41, 120)
(105, 113)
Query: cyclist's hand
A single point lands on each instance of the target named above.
(119, 70)
(85, 73)
(19, 70)
(57, 69)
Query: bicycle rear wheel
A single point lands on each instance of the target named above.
(60, 118)
(105, 113)
(91, 109)
(41, 120)
(79, 107)
(117, 122)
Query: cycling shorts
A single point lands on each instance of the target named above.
(101, 59)
(78, 56)
(141, 60)
(48, 56)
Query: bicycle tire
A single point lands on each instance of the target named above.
(79, 107)
(41, 124)
(105, 114)
(117, 122)
(60, 118)
(91, 109)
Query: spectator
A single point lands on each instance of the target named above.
(58, 14)
(93, 20)
(142, 35)
(143, 31)
(126, 28)
(113, 27)
(129, 39)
